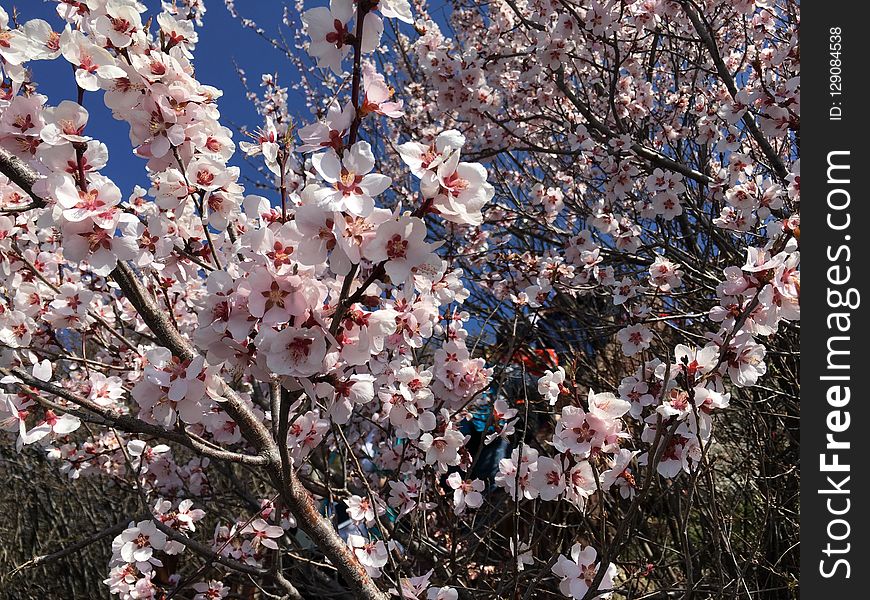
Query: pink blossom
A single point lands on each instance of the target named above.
(354, 186)
(578, 572)
(466, 492)
(263, 533)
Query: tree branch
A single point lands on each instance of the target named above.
(704, 32)
(21, 175)
(296, 497)
(130, 424)
(48, 558)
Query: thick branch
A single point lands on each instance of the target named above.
(319, 529)
(161, 325)
(21, 175)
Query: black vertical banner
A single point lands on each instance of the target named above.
(834, 260)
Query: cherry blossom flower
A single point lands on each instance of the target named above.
(355, 390)
(580, 484)
(581, 432)
(459, 190)
(634, 339)
(404, 494)
(523, 555)
(442, 593)
(330, 132)
(442, 450)
(400, 245)
(294, 350)
(220, 319)
(396, 9)
(578, 572)
(377, 95)
(264, 534)
(65, 123)
(413, 587)
(548, 479)
(277, 300)
(94, 65)
(86, 240)
(211, 590)
(371, 555)
(104, 390)
(620, 475)
(694, 362)
(138, 544)
(120, 24)
(665, 275)
(354, 185)
(362, 509)
(466, 492)
(676, 404)
(171, 388)
(551, 384)
(183, 517)
(305, 434)
(328, 29)
(745, 360)
(709, 399)
(407, 409)
(95, 204)
(514, 472)
(425, 159)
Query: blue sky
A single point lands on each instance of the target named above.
(222, 40)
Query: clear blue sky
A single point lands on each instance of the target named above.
(222, 40)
